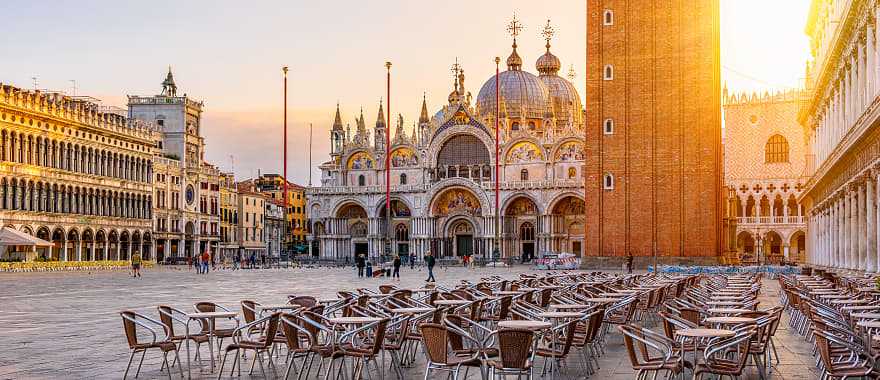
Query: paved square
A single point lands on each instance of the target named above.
(66, 325)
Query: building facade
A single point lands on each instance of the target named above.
(251, 222)
(228, 216)
(653, 132)
(76, 176)
(764, 166)
(442, 173)
(273, 186)
(842, 120)
(186, 208)
(274, 228)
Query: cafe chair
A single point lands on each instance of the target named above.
(132, 322)
(260, 344)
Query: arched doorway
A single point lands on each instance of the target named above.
(317, 232)
(43, 233)
(189, 248)
(745, 246)
(100, 245)
(113, 239)
(455, 210)
(124, 244)
(797, 247)
(147, 244)
(401, 215)
(520, 221)
(461, 234)
(73, 245)
(88, 245)
(772, 248)
(354, 218)
(568, 225)
(136, 243)
(58, 252)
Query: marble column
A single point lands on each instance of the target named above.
(845, 227)
(861, 231)
(871, 224)
(853, 229)
(64, 251)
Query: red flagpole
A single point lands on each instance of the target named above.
(388, 159)
(497, 160)
(284, 173)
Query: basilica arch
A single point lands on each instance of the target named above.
(566, 224)
(457, 214)
(520, 226)
(401, 222)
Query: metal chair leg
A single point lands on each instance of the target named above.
(130, 358)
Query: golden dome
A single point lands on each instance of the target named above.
(548, 64)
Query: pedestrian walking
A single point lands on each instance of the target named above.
(430, 261)
(359, 262)
(206, 260)
(197, 262)
(136, 264)
(236, 259)
(629, 263)
(396, 273)
(412, 260)
(369, 269)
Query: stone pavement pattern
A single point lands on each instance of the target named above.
(66, 325)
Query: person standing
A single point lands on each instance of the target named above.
(197, 262)
(629, 263)
(369, 269)
(412, 260)
(396, 273)
(430, 261)
(206, 261)
(359, 262)
(136, 264)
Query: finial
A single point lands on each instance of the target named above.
(571, 74)
(548, 34)
(514, 62)
(514, 28)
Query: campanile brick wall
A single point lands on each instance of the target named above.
(665, 152)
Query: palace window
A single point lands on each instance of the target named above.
(776, 150)
(403, 179)
(609, 72)
(361, 180)
(609, 17)
(609, 182)
(572, 172)
(514, 126)
(401, 233)
(524, 175)
(609, 127)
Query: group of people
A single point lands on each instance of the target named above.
(365, 266)
(202, 263)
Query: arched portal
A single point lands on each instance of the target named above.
(797, 247)
(772, 248)
(87, 248)
(73, 244)
(58, 251)
(354, 218)
(459, 237)
(147, 246)
(745, 246)
(567, 227)
(519, 215)
(43, 233)
(401, 217)
(124, 245)
(113, 241)
(100, 245)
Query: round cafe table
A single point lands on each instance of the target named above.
(569, 306)
(353, 320)
(848, 302)
(451, 302)
(724, 303)
(507, 293)
(412, 310)
(697, 334)
(865, 315)
(612, 295)
(729, 320)
(860, 307)
(834, 296)
(727, 298)
(525, 324)
(728, 311)
(560, 314)
(601, 300)
(869, 324)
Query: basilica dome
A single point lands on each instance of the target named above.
(563, 95)
(523, 95)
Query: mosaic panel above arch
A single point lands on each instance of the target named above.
(524, 151)
(404, 157)
(361, 161)
(456, 201)
(570, 151)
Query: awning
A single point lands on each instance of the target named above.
(9, 236)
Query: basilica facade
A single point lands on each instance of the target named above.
(442, 173)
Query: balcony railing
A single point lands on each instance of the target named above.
(771, 220)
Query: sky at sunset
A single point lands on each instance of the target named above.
(229, 54)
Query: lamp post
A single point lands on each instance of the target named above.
(497, 251)
(388, 162)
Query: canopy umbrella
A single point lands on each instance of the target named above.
(9, 236)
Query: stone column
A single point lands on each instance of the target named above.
(118, 250)
(861, 232)
(845, 227)
(64, 251)
(871, 224)
(93, 258)
(852, 225)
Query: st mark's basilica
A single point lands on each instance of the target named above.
(442, 172)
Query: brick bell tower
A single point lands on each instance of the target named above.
(653, 132)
